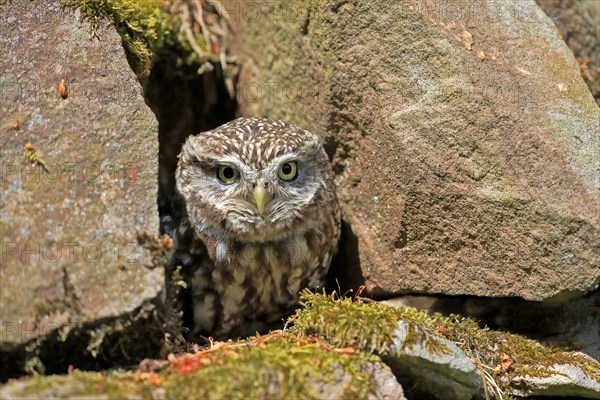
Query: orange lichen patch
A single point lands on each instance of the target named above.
(505, 364)
(219, 352)
(149, 378)
(189, 363)
(167, 242)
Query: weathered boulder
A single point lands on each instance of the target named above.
(447, 357)
(79, 222)
(464, 138)
(276, 366)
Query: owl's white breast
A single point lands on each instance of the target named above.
(256, 283)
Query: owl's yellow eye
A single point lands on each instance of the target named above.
(228, 175)
(288, 171)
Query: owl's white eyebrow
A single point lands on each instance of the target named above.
(229, 159)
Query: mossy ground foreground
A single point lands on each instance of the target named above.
(277, 365)
(327, 334)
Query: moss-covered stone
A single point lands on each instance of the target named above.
(274, 366)
(371, 327)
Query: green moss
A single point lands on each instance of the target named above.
(531, 358)
(321, 340)
(251, 371)
(278, 365)
(147, 27)
(371, 325)
(115, 385)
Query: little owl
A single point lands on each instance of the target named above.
(261, 222)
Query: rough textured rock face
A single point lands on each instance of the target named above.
(577, 22)
(463, 135)
(73, 235)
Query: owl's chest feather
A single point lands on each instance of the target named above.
(243, 285)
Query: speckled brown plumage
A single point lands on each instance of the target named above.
(246, 268)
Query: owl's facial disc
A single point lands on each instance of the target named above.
(253, 182)
(262, 204)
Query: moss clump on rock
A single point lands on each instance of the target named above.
(154, 27)
(371, 326)
(277, 365)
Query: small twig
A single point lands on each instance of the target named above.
(488, 380)
(200, 19)
(483, 378)
(187, 29)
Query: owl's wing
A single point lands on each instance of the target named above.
(189, 250)
(187, 257)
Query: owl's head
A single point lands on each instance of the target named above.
(254, 179)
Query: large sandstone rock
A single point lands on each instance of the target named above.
(78, 239)
(464, 138)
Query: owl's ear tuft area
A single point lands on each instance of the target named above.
(190, 151)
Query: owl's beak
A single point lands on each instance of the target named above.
(260, 197)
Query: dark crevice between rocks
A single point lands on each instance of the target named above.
(119, 341)
(185, 103)
(71, 300)
(345, 275)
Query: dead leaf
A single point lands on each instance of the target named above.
(505, 363)
(167, 242)
(583, 68)
(62, 88)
